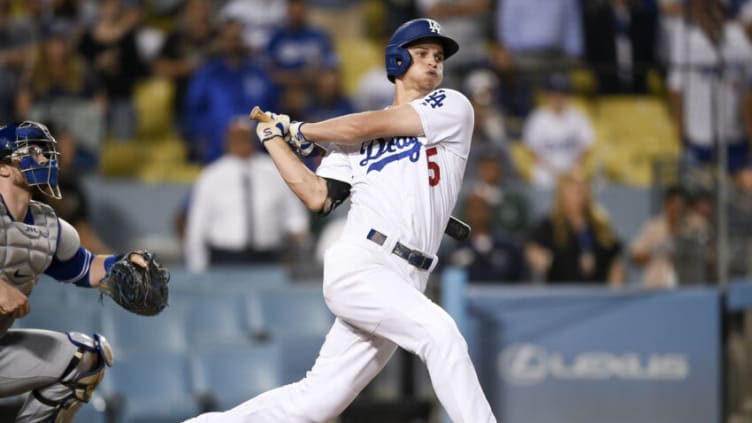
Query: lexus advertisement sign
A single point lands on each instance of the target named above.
(597, 356)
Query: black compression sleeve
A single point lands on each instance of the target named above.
(337, 192)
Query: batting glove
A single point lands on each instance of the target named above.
(281, 118)
(278, 127)
(299, 141)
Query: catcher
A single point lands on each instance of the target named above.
(58, 370)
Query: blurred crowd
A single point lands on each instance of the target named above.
(531, 68)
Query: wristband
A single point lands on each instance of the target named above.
(109, 261)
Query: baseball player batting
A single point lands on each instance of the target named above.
(58, 371)
(403, 169)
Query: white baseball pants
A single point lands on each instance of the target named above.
(379, 303)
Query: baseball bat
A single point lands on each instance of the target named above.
(258, 115)
(456, 228)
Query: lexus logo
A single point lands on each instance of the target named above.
(528, 364)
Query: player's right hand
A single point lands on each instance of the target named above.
(284, 120)
(267, 131)
(13, 302)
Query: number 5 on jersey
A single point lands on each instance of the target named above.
(434, 175)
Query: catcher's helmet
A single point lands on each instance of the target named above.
(27, 142)
(398, 58)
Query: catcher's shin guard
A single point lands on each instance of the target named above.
(60, 402)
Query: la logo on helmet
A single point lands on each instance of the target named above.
(434, 26)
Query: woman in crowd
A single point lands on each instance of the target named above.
(575, 243)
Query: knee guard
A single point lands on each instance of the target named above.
(84, 372)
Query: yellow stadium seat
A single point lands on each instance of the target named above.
(181, 173)
(166, 162)
(584, 105)
(153, 98)
(523, 160)
(634, 131)
(119, 159)
(656, 83)
(583, 81)
(358, 55)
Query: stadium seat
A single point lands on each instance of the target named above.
(132, 334)
(166, 161)
(358, 54)
(129, 213)
(634, 131)
(182, 280)
(583, 81)
(120, 159)
(89, 414)
(294, 317)
(152, 387)
(297, 354)
(254, 317)
(290, 311)
(63, 317)
(153, 100)
(247, 278)
(228, 376)
(50, 291)
(523, 160)
(239, 279)
(215, 319)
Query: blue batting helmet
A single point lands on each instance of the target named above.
(28, 142)
(398, 58)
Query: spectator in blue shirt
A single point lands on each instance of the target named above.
(226, 86)
(548, 27)
(329, 99)
(534, 38)
(297, 49)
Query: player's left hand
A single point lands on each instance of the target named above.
(298, 141)
(138, 283)
(279, 126)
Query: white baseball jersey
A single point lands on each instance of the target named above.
(558, 140)
(694, 61)
(406, 187)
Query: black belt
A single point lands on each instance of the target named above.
(223, 256)
(414, 257)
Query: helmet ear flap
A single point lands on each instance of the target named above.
(397, 61)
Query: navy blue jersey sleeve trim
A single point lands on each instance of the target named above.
(74, 270)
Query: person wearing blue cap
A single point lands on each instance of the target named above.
(56, 372)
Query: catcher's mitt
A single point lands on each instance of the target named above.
(138, 289)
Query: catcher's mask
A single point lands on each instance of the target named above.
(398, 58)
(32, 146)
